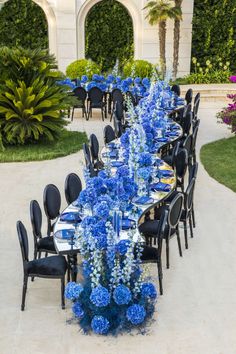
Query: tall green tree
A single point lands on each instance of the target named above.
(23, 23)
(159, 11)
(109, 34)
(178, 4)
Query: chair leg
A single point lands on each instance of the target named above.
(102, 115)
(193, 217)
(72, 115)
(167, 254)
(179, 243)
(24, 292)
(191, 225)
(39, 256)
(46, 254)
(62, 293)
(185, 234)
(160, 276)
(49, 228)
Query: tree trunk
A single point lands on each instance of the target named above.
(176, 42)
(162, 44)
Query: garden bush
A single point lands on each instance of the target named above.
(31, 102)
(215, 72)
(109, 34)
(82, 67)
(138, 68)
(23, 23)
(214, 31)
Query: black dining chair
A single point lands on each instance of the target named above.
(94, 149)
(108, 134)
(193, 174)
(152, 254)
(87, 154)
(53, 267)
(52, 205)
(181, 165)
(189, 96)
(116, 97)
(196, 106)
(176, 89)
(41, 244)
(149, 228)
(194, 141)
(186, 120)
(119, 111)
(96, 100)
(187, 144)
(73, 187)
(117, 127)
(81, 94)
(186, 214)
(170, 158)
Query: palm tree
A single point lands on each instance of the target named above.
(178, 4)
(158, 13)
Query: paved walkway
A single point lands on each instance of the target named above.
(196, 315)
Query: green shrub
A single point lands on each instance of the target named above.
(31, 102)
(140, 68)
(109, 34)
(211, 73)
(23, 23)
(214, 31)
(82, 67)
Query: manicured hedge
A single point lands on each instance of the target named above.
(214, 31)
(23, 23)
(109, 34)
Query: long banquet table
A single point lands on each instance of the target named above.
(71, 247)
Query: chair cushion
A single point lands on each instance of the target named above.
(150, 227)
(54, 266)
(46, 243)
(149, 254)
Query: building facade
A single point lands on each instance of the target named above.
(66, 30)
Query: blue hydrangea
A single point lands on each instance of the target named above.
(102, 174)
(98, 184)
(88, 221)
(145, 159)
(88, 196)
(100, 296)
(111, 184)
(101, 210)
(144, 173)
(73, 291)
(136, 314)
(122, 295)
(149, 290)
(122, 171)
(84, 79)
(100, 238)
(77, 310)
(137, 80)
(106, 198)
(100, 325)
(123, 246)
(146, 82)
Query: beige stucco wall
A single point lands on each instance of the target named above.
(66, 20)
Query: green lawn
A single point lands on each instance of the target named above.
(219, 159)
(69, 142)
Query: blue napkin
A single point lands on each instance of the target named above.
(65, 234)
(174, 133)
(158, 162)
(70, 217)
(112, 154)
(117, 163)
(112, 145)
(175, 127)
(143, 200)
(162, 140)
(165, 173)
(160, 187)
(127, 224)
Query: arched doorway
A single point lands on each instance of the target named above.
(134, 13)
(47, 23)
(109, 34)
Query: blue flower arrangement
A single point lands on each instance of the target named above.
(114, 296)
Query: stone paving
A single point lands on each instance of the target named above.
(197, 312)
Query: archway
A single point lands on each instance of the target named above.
(51, 21)
(109, 34)
(134, 13)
